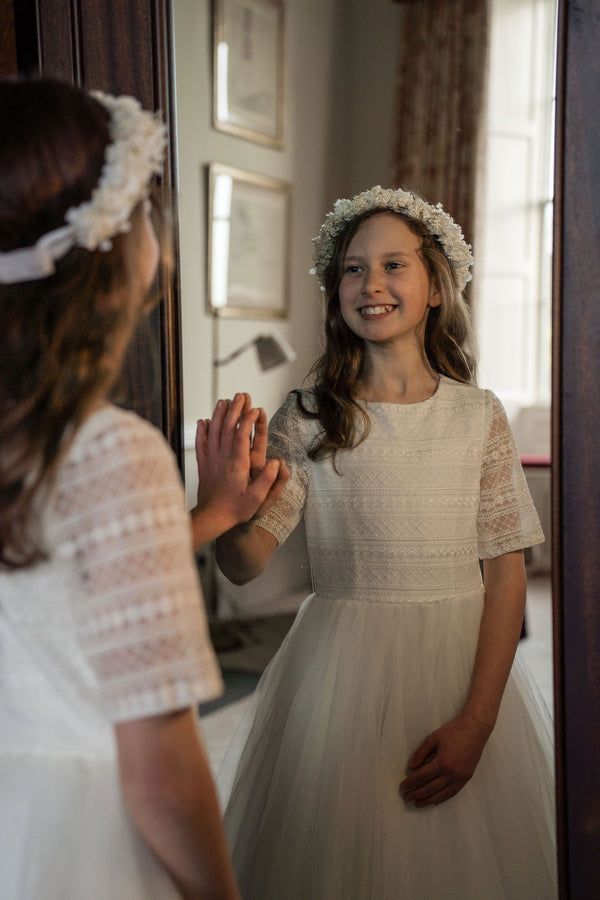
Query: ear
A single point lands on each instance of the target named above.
(434, 298)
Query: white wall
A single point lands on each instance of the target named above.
(341, 61)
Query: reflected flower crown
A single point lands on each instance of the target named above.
(133, 156)
(438, 223)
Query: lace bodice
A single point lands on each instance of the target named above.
(435, 486)
(111, 627)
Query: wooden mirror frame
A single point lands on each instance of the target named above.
(575, 449)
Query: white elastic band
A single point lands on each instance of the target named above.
(39, 261)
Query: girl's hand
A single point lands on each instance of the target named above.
(225, 451)
(258, 460)
(444, 762)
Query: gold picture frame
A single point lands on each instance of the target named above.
(249, 69)
(249, 217)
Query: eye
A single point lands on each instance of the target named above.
(393, 266)
(352, 269)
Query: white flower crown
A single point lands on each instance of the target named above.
(439, 223)
(134, 155)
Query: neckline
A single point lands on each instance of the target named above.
(417, 403)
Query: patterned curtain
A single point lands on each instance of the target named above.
(442, 76)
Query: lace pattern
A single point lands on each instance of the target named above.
(434, 485)
(119, 519)
(287, 439)
(507, 518)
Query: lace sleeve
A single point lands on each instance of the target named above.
(287, 440)
(139, 610)
(507, 518)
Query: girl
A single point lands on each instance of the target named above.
(393, 750)
(104, 651)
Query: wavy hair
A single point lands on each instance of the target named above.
(337, 374)
(59, 335)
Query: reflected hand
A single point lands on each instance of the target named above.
(444, 762)
(258, 460)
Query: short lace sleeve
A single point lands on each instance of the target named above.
(287, 440)
(121, 517)
(507, 518)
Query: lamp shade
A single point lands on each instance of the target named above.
(273, 350)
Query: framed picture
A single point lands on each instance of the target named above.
(248, 244)
(249, 69)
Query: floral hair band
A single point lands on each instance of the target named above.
(133, 156)
(434, 218)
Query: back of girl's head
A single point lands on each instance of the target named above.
(58, 332)
(54, 138)
(52, 152)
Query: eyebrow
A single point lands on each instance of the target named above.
(388, 255)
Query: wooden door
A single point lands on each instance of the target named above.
(576, 449)
(122, 47)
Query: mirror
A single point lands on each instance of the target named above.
(326, 154)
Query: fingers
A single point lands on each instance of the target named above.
(201, 433)
(423, 776)
(432, 786)
(201, 441)
(423, 786)
(231, 421)
(242, 435)
(258, 453)
(225, 421)
(269, 482)
(216, 424)
(424, 752)
(283, 476)
(430, 792)
(266, 480)
(437, 771)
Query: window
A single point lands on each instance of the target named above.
(515, 238)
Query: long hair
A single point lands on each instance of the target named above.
(59, 334)
(337, 374)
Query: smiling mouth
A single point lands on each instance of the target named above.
(376, 310)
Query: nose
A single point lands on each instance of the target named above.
(371, 283)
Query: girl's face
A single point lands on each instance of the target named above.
(385, 292)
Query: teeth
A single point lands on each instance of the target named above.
(375, 310)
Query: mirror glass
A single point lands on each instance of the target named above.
(338, 131)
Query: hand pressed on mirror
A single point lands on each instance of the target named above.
(234, 477)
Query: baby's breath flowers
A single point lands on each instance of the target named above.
(134, 155)
(436, 220)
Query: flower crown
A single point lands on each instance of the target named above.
(133, 156)
(438, 222)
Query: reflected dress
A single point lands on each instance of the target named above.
(381, 654)
(109, 628)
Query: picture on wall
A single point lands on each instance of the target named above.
(248, 244)
(249, 69)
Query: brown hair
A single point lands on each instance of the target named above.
(59, 334)
(338, 372)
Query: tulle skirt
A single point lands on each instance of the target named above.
(311, 778)
(64, 834)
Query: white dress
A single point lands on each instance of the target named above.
(379, 656)
(109, 628)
